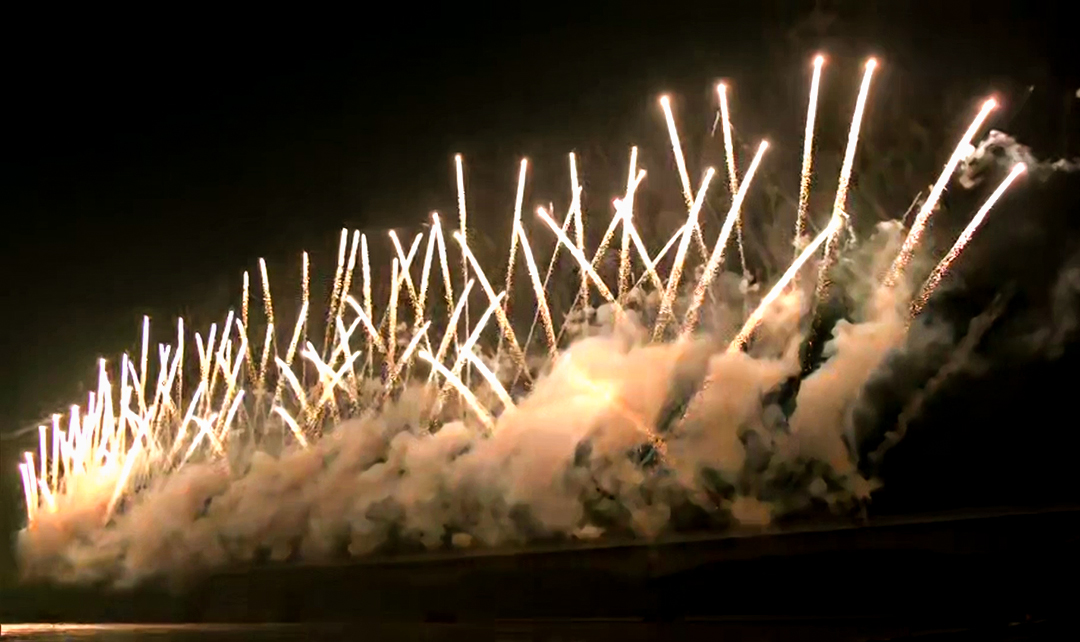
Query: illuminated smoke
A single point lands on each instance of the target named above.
(159, 477)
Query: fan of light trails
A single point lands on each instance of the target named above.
(154, 424)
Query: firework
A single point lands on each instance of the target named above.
(130, 437)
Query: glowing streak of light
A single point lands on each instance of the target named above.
(391, 333)
(218, 366)
(492, 380)
(547, 277)
(582, 261)
(293, 426)
(739, 342)
(268, 344)
(28, 493)
(579, 223)
(231, 377)
(331, 380)
(57, 438)
(365, 261)
(448, 336)
(921, 219)
(421, 331)
(500, 313)
(943, 266)
(538, 289)
(609, 233)
(245, 296)
(335, 290)
(680, 163)
(143, 365)
(459, 171)
(808, 151)
(467, 346)
(628, 209)
(733, 176)
(47, 495)
(425, 272)
(205, 430)
(346, 283)
(343, 348)
(639, 245)
(294, 385)
(518, 201)
(668, 300)
(650, 264)
(466, 394)
(406, 265)
(268, 301)
(444, 264)
(717, 256)
(42, 452)
(373, 332)
(299, 330)
(180, 360)
(182, 433)
(305, 282)
(840, 202)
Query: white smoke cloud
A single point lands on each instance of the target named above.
(586, 452)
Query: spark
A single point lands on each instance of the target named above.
(346, 283)
(680, 164)
(463, 390)
(808, 150)
(922, 218)
(127, 434)
(668, 300)
(627, 210)
(336, 289)
(759, 313)
(365, 262)
(405, 263)
(733, 177)
(943, 266)
(500, 313)
(462, 230)
(717, 256)
(492, 380)
(538, 290)
(583, 263)
(516, 223)
(838, 211)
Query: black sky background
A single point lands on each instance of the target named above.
(133, 151)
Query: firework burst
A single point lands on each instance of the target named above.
(143, 427)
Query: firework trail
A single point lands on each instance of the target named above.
(922, 218)
(840, 203)
(733, 176)
(943, 266)
(160, 477)
(808, 152)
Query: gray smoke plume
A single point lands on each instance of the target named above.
(1000, 150)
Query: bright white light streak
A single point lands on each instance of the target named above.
(943, 266)
(921, 219)
(717, 256)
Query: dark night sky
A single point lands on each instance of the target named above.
(133, 153)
